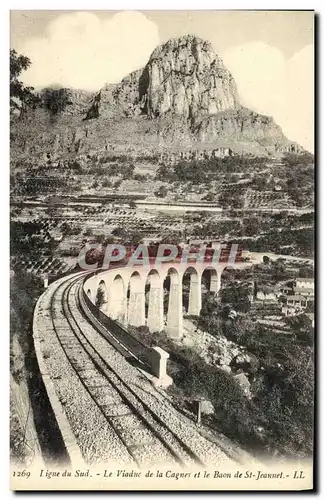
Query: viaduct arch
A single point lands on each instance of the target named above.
(135, 295)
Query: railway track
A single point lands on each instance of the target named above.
(148, 440)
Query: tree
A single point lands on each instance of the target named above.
(100, 298)
(209, 196)
(287, 401)
(210, 314)
(21, 96)
(119, 232)
(128, 172)
(171, 238)
(161, 192)
(302, 327)
(252, 226)
(55, 100)
(236, 295)
(106, 183)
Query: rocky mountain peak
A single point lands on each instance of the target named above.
(187, 78)
(184, 77)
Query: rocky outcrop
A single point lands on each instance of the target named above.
(186, 78)
(242, 124)
(121, 99)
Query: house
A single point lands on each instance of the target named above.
(265, 295)
(304, 283)
(305, 292)
(296, 300)
(289, 310)
(244, 383)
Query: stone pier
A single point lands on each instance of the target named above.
(174, 317)
(136, 308)
(194, 306)
(215, 283)
(117, 301)
(155, 308)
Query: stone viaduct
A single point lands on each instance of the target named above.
(135, 295)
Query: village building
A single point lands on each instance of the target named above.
(305, 292)
(304, 283)
(266, 295)
(296, 300)
(289, 310)
(286, 290)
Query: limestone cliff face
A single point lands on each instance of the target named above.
(242, 124)
(186, 78)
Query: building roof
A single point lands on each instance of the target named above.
(303, 289)
(295, 297)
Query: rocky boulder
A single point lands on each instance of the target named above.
(246, 362)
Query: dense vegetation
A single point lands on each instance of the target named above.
(34, 185)
(202, 171)
(55, 100)
(24, 290)
(29, 239)
(298, 242)
(283, 377)
(235, 177)
(281, 384)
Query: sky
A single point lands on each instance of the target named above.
(269, 53)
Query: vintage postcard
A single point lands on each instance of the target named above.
(162, 250)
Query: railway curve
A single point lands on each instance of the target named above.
(106, 408)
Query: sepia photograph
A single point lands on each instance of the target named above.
(162, 284)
